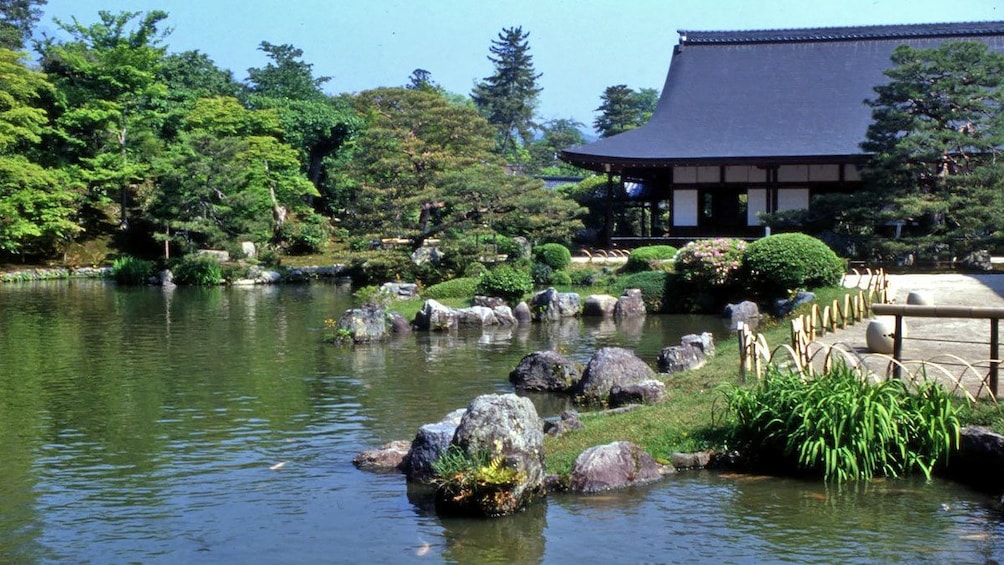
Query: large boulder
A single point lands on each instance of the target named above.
(746, 311)
(431, 441)
(545, 371)
(365, 324)
(504, 316)
(436, 317)
(979, 462)
(785, 306)
(506, 431)
(424, 255)
(489, 301)
(610, 367)
(550, 305)
(678, 358)
(599, 305)
(401, 291)
(705, 342)
(612, 466)
(476, 317)
(630, 304)
(651, 391)
(568, 421)
(522, 313)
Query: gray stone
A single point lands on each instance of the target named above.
(424, 255)
(505, 426)
(268, 277)
(785, 306)
(696, 460)
(525, 247)
(221, 255)
(248, 249)
(651, 391)
(522, 313)
(504, 316)
(568, 421)
(677, 358)
(745, 311)
(599, 305)
(547, 371)
(488, 301)
(166, 278)
(431, 441)
(978, 260)
(401, 291)
(630, 304)
(550, 305)
(475, 317)
(436, 317)
(705, 342)
(364, 324)
(389, 457)
(979, 461)
(610, 367)
(616, 465)
(399, 324)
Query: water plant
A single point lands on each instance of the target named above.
(202, 270)
(844, 427)
(131, 270)
(475, 480)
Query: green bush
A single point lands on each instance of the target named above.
(541, 273)
(132, 271)
(464, 287)
(781, 263)
(713, 262)
(198, 270)
(652, 285)
(844, 427)
(554, 255)
(305, 235)
(507, 282)
(378, 267)
(643, 258)
(561, 278)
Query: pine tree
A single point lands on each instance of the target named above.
(508, 98)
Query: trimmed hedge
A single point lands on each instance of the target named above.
(464, 287)
(507, 282)
(554, 255)
(779, 263)
(641, 259)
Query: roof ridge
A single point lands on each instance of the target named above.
(843, 33)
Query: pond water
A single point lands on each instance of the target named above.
(215, 426)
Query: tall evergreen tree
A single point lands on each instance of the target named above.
(508, 98)
(624, 109)
(17, 19)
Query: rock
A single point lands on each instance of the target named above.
(268, 277)
(651, 391)
(920, 298)
(696, 460)
(978, 260)
(248, 249)
(979, 461)
(568, 421)
(504, 316)
(522, 313)
(221, 255)
(547, 371)
(630, 304)
(488, 301)
(431, 441)
(364, 324)
(166, 278)
(436, 317)
(525, 247)
(610, 367)
(401, 291)
(504, 427)
(745, 311)
(599, 305)
(550, 305)
(424, 255)
(705, 342)
(678, 358)
(399, 324)
(389, 457)
(475, 317)
(612, 466)
(785, 306)
(880, 335)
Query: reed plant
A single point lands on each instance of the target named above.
(843, 426)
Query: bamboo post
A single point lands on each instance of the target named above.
(994, 350)
(743, 351)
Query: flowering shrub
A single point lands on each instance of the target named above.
(710, 261)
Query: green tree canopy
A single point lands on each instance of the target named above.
(17, 19)
(508, 98)
(624, 109)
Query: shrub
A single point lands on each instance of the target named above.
(507, 282)
(305, 235)
(843, 426)
(652, 285)
(780, 263)
(642, 258)
(464, 287)
(377, 267)
(475, 269)
(541, 273)
(561, 278)
(714, 262)
(554, 255)
(200, 270)
(132, 271)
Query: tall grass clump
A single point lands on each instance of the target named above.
(844, 427)
(198, 270)
(132, 271)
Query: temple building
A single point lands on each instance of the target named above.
(754, 122)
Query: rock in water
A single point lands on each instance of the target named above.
(615, 465)
(610, 367)
(545, 371)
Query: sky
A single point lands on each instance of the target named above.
(579, 46)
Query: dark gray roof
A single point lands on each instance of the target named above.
(770, 95)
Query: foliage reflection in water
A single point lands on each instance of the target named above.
(215, 426)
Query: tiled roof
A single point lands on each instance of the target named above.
(770, 96)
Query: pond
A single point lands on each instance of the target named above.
(216, 426)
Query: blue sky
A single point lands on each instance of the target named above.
(580, 46)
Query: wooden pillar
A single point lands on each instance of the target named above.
(608, 213)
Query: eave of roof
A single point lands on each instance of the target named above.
(769, 96)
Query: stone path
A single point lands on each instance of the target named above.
(937, 339)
